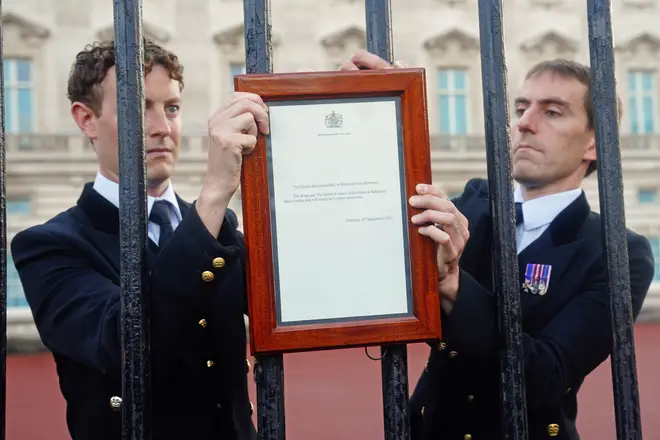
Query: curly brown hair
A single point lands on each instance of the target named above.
(92, 65)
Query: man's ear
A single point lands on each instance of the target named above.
(590, 153)
(85, 120)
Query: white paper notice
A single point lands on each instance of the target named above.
(338, 199)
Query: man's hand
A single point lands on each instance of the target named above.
(448, 227)
(363, 59)
(233, 131)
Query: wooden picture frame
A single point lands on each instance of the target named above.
(358, 91)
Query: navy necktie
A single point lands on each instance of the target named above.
(519, 214)
(160, 215)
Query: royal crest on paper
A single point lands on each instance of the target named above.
(334, 120)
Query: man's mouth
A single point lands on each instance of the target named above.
(159, 150)
(524, 147)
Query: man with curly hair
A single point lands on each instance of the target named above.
(69, 266)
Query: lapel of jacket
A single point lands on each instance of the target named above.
(184, 206)
(554, 250)
(103, 227)
(104, 220)
(477, 210)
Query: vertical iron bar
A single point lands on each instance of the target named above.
(394, 372)
(269, 369)
(269, 376)
(394, 363)
(258, 45)
(505, 261)
(136, 389)
(610, 185)
(3, 247)
(379, 28)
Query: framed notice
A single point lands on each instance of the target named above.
(333, 258)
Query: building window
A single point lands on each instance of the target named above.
(655, 248)
(641, 92)
(19, 206)
(453, 101)
(19, 95)
(15, 294)
(235, 69)
(647, 196)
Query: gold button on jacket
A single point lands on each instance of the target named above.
(115, 403)
(218, 262)
(207, 276)
(553, 430)
(203, 323)
(210, 364)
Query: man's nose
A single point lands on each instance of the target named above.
(157, 124)
(526, 122)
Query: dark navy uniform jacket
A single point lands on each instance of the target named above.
(566, 331)
(69, 268)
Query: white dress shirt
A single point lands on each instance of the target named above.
(110, 191)
(538, 213)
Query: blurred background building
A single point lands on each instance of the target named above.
(48, 159)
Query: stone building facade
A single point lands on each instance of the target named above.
(48, 160)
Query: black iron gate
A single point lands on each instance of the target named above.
(269, 371)
(3, 244)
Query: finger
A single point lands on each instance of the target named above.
(242, 106)
(437, 235)
(432, 202)
(247, 106)
(424, 188)
(245, 124)
(433, 217)
(368, 60)
(458, 227)
(240, 96)
(456, 239)
(400, 65)
(348, 65)
(443, 270)
(447, 255)
(463, 225)
(248, 143)
(245, 142)
(465, 231)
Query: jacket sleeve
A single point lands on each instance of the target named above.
(77, 309)
(570, 346)
(240, 242)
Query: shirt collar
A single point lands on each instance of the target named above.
(110, 191)
(541, 211)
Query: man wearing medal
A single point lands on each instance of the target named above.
(564, 296)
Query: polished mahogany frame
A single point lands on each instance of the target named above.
(409, 86)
